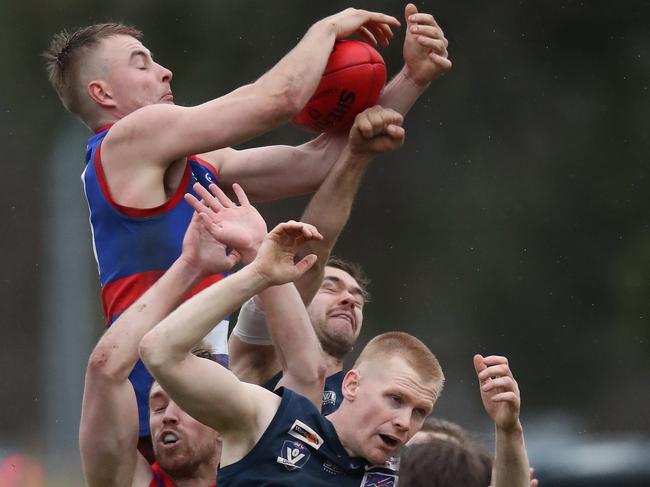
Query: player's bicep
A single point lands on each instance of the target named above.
(209, 393)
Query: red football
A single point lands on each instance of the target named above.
(352, 81)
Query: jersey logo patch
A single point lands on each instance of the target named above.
(303, 432)
(293, 455)
(376, 479)
(329, 398)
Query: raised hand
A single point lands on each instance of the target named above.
(499, 391)
(376, 130)
(275, 259)
(374, 27)
(425, 47)
(203, 253)
(238, 226)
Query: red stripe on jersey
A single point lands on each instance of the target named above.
(206, 164)
(139, 212)
(160, 478)
(122, 293)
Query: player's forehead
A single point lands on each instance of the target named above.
(123, 47)
(396, 375)
(341, 278)
(157, 392)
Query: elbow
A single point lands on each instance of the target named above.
(150, 352)
(103, 363)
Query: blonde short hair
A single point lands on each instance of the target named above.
(408, 348)
(67, 53)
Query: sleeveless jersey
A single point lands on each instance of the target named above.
(134, 247)
(332, 394)
(300, 447)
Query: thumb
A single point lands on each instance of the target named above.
(479, 365)
(305, 264)
(410, 10)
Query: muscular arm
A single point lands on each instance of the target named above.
(375, 130)
(157, 135)
(108, 433)
(219, 399)
(502, 402)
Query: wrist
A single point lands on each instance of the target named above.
(187, 270)
(512, 430)
(418, 82)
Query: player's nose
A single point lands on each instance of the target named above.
(167, 75)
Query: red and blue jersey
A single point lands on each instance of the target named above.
(134, 247)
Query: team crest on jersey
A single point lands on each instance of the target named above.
(303, 432)
(329, 398)
(293, 455)
(377, 479)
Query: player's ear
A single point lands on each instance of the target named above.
(99, 92)
(350, 385)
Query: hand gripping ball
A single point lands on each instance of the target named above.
(352, 81)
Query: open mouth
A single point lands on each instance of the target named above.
(169, 439)
(389, 441)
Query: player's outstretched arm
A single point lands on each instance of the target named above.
(207, 391)
(502, 401)
(160, 134)
(374, 131)
(109, 421)
(425, 58)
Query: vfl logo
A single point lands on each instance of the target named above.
(371, 479)
(329, 398)
(208, 177)
(293, 455)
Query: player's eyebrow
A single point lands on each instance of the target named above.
(339, 282)
(140, 52)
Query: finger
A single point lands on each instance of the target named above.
(379, 33)
(441, 61)
(382, 19)
(310, 232)
(509, 396)
(422, 18)
(208, 198)
(391, 117)
(367, 35)
(233, 258)
(495, 360)
(479, 364)
(396, 132)
(363, 124)
(436, 45)
(410, 10)
(534, 483)
(505, 383)
(221, 196)
(241, 195)
(304, 264)
(195, 203)
(494, 371)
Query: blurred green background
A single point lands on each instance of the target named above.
(515, 220)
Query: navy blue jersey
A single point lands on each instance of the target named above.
(332, 392)
(300, 447)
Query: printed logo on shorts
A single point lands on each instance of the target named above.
(376, 479)
(303, 432)
(293, 455)
(329, 398)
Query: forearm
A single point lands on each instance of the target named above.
(175, 336)
(117, 351)
(329, 211)
(401, 93)
(273, 172)
(511, 468)
(295, 341)
(298, 73)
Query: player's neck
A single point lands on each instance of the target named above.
(332, 364)
(204, 475)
